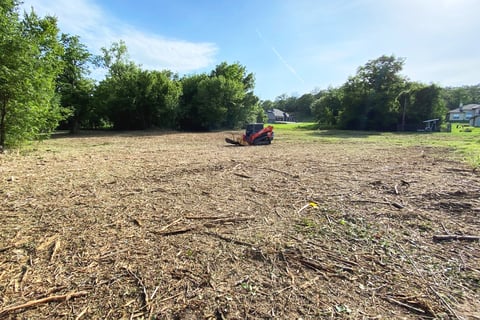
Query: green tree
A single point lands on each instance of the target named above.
(223, 99)
(12, 50)
(328, 108)
(238, 97)
(454, 96)
(267, 105)
(29, 65)
(156, 98)
(212, 97)
(300, 107)
(282, 102)
(354, 115)
(254, 111)
(189, 116)
(257, 114)
(115, 96)
(73, 85)
(286, 103)
(132, 98)
(422, 102)
(371, 96)
(303, 107)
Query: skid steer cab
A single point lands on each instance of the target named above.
(255, 135)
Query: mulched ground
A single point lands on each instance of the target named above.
(183, 226)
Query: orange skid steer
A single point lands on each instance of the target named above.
(255, 135)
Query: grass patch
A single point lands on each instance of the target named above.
(465, 144)
(463, 128)
(295, 126)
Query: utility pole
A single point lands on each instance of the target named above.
(404, 107)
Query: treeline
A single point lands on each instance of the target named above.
(378, 98)
(45, 85)
(131, 98)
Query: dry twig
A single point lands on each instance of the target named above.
(242, 175)
(205, 217)
(175, 232)
(5, 248)
(402, 304)
(171, 224)
(238, 242)
(448, 237)
(444, 302)
(145, 297)
(284, 172)
(55, 248)
(81, 314)
(394, 204)
(33, 303)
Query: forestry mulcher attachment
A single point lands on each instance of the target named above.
(255, 134)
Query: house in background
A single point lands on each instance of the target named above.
(275, 115)
(475, 120)
(463, 113)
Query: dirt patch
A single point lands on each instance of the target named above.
(182, 226)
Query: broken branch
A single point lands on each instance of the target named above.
(204, 217)
(405, 305)
(171, 224)
(448, 237)
(242, 175)
(55, 248)
(6, 248)
(145, 300)
(221, 219)
(233, 219)
(216, 235)
(395, 204)
(33, 303)
(175, 232)
(284, 172)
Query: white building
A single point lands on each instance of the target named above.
(463, 113)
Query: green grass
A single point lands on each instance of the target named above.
(295, 126)
(464, 128)
(464, 143)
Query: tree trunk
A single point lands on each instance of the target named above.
(3, 113)
(75, 125)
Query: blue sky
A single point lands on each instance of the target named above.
(292, 46)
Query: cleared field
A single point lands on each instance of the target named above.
(183, 226)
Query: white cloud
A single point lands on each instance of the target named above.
(97, 28)
(158, 52)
